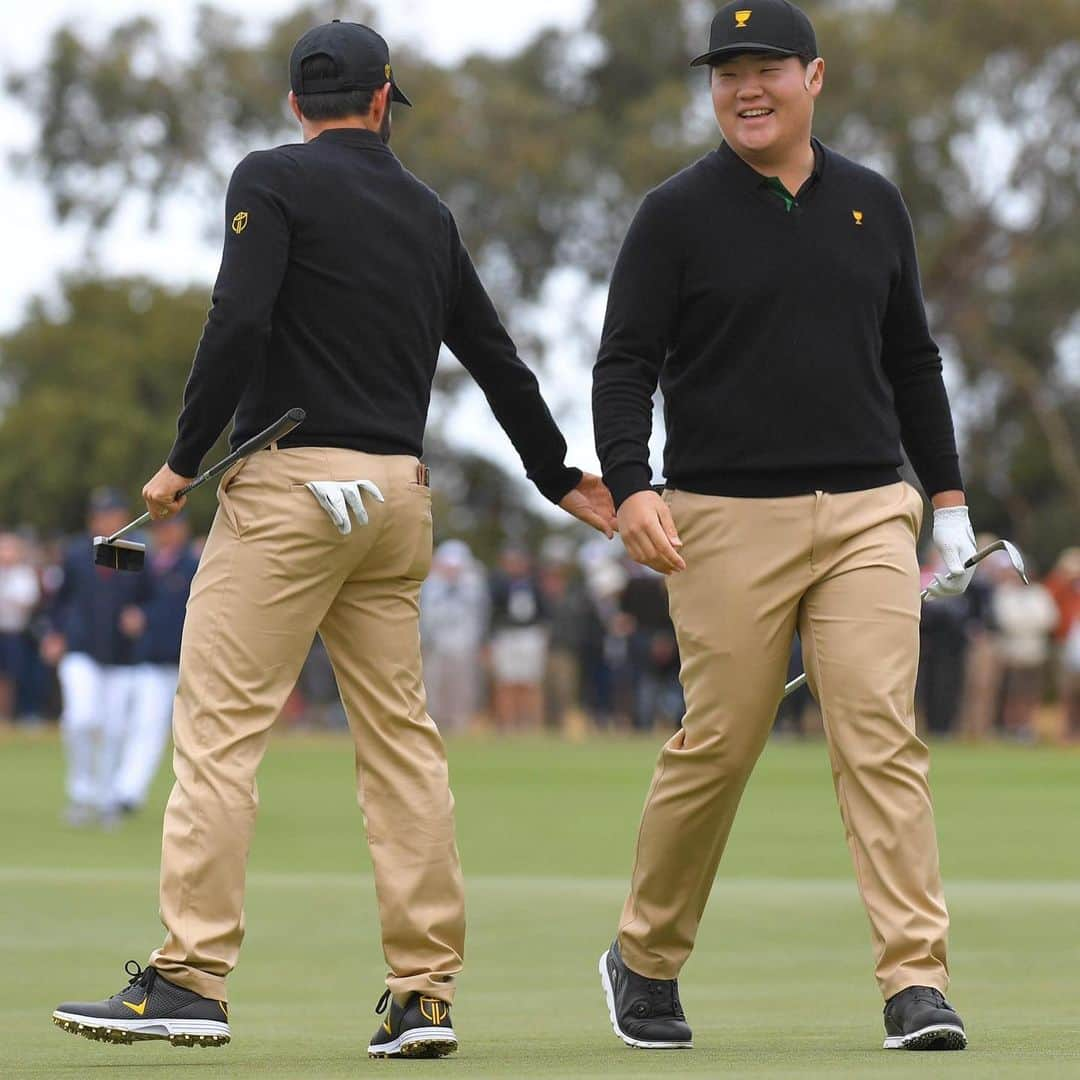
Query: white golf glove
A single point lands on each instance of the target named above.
(954, 538)
(338, 498)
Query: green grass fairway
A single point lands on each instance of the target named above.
(780, 985)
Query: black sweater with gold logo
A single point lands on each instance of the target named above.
(791, 345)
(341, 277)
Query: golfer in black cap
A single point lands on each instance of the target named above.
(772, 290)
(342, 276)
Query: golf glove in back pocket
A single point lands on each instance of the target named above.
(337, 498)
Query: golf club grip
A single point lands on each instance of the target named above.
(277, 430)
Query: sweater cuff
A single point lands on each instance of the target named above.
(626, 480)
(555, 483)
(183, 462)
(940, 475)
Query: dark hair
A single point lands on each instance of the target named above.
(333, 106)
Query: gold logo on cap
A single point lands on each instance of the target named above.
(741, 19)
(239, 223)
(389, 73)
(858, 216)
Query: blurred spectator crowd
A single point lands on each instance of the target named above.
(567, 639)
(98, 650)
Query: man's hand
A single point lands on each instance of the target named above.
(132, 621)
(591, 502)
(53, 646)
(648, 531)
(160, 493)
(955, 540)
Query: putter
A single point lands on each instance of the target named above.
(1015, 558)
(129, 555)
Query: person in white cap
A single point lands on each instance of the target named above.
(453, 623)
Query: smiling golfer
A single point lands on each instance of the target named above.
(772, 290)
(342, 276)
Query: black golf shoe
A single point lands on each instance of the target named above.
(420, 1028)
(644, 1012)
(149, 1007)
(919, 1018)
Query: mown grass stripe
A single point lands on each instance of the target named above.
(825, 887)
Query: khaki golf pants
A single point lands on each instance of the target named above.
(842, 570)
(274, 572)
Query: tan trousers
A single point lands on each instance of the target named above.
(275, 571)
(842, 570)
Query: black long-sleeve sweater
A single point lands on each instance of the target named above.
(791, 345)
(342, 274)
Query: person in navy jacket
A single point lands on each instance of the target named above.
(95, 621)
(171, 564)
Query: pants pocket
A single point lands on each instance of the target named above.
(418, 505)
(915, 509)
(226, 502)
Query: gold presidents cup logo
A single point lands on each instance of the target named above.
(434, 1010)
(239, 223)
(389, 73)
(858, 216)
(741, 19)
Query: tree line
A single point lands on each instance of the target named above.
(544, 155)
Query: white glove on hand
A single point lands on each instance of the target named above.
(337, 498)
(954, 538)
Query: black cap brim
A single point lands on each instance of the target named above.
(397, 95)
(730, 51)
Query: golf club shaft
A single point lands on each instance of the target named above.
(277, 430)
(998, 545)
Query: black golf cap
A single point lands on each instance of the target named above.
(361, 56)
(759, 26)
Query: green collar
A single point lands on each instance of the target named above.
(776, 185)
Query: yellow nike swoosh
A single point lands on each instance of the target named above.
(137, 1009)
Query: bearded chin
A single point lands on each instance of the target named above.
(384, 127)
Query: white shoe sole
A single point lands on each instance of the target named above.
(605, 981)
(934, 1037)
(419, 1043)
(177, 1032)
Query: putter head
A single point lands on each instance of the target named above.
(1016, 559)
(119, 555)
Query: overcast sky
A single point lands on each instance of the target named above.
(43, 251)
(445, 31)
